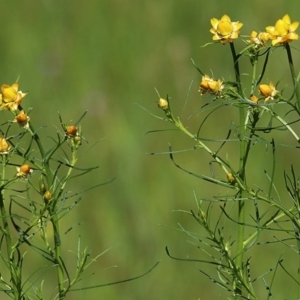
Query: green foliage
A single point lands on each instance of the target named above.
(34, 200)
(103, 56)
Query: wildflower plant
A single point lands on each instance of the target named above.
(247, 217)
(34, 202)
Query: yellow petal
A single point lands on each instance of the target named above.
(281, 27)
(253, 34)
(15, 86)
(238, 25)
(293, 36)
(270, 29)
(234, 35)
(294, 26)
(286, 18)
(216, 38)
(214, 22)
(225, 18)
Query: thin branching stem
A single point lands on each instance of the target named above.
(242, 165)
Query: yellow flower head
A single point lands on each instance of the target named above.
(284, 31)
(4, 146)
(24, 171)
(11, 97)
(224, 30)
(268, 91)
(209, 85)
(259, 39)
(71, 131)
(22, 119)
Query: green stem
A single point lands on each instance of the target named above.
(200, 144)
(46, 167)
(241, 204)
(58, 257)
(294, 77)
(56, 233)
(298, 275)
(13, 267)
(286, 125)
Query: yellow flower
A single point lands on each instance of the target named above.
(268, 91)
(24, 171)
(224, 30)
(209, 85)
(11, 97)
(4, 146)
(259, 39)
(22, 119)
(284, 31)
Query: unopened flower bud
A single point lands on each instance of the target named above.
(22, 119)
(230, 178)
(47, 196)
(71, 131)
(163, 103)
(24, 171)
(4, 146)
(254, 98)
(202, 215)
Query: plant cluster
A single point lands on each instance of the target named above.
(254, 212)
(33, 202)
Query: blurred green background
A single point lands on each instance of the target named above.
(103, 57)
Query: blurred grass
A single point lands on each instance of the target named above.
(104, 56)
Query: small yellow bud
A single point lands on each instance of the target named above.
(71, 131)
(42, 188)
(77, 140)
(4, 146)
(163, 104)
(254, 98)
(24, 171)
(47, 196)
(22, 119)
(230, 178)
(202, 215)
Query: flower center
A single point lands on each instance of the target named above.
(225, 28)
